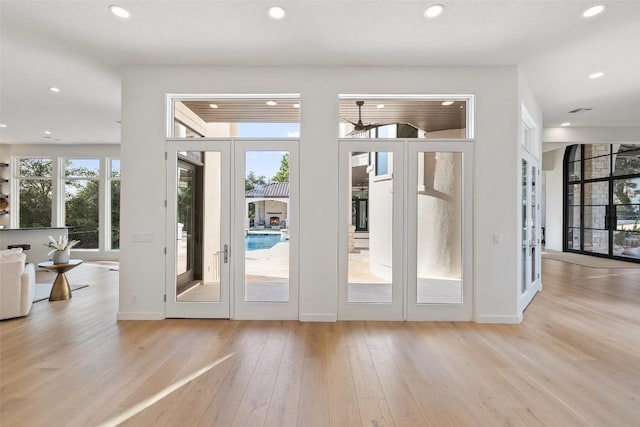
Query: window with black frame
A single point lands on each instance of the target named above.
(602, 200)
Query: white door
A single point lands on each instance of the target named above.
(371, 243)
(265, 230)
(530, 262)
(439, 239)
(198, 229)
(410, 256)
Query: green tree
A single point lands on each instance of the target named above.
(82, 205)
(283, 173)
(35, 194)
(252, 181)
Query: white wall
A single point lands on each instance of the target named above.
(554, 198)
(143, 172)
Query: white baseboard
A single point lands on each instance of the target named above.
(143, 315)
(499, 319)
(318, 317)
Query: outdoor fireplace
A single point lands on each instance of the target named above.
(274, 221)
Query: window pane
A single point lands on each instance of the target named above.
(237, 117)
(81, 168)
(115, 168)
(594, 217)
(574, 171)
(439, 228)
(574, 195)
(35, 202)
(626, 238)
(596, 241)
(573, 238)
(370, 234)
(596, 150)
(596, 193)
(575, 154)
(402, 118)
(82, 211)
(267, 222)
(115, 214)
(382, 163)
(574, 216)
(627, 161)
(626, 191)
(32, 168)
(598, 167)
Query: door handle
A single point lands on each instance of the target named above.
(225, 252)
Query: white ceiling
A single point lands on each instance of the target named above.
(80, 47)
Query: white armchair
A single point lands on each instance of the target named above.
(17, 283)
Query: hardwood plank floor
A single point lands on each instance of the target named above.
(574, 361)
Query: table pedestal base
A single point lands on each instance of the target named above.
(61, 289)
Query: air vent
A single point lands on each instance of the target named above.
(577, 110)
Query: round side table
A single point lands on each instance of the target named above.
(60, 289)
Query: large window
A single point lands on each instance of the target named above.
(35, 192)
(602, 200)
(71, 192)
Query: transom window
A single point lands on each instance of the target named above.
(405, 116)
(235, 116)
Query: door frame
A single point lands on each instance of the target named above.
(221, 309)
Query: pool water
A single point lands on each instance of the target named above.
(253, 242)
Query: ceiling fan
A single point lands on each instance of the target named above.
(360, 127)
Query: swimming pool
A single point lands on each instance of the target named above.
(253, 242)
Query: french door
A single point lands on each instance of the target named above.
(530, 242)
(415, 260)
(233, 215)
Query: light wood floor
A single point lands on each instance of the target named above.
(574, 361)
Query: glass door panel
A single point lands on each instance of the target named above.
(439, 215)
(525, 229)
(596, 217)
(265, 229)
(370, 267)
(439, 228)
(626, 237)
(266, 246)
(370, 254)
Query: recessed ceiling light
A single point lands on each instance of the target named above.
(47, 132)
(271, 103)
(447, 103)
(593, 11)
(119, 11)
(296, 105)
(596, 75)
(276, 12)
(213, 105)
(54, 89)
(2, 125)
(380, 106)
(565, 124)
(433, 11)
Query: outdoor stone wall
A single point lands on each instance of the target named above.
(596, 197)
